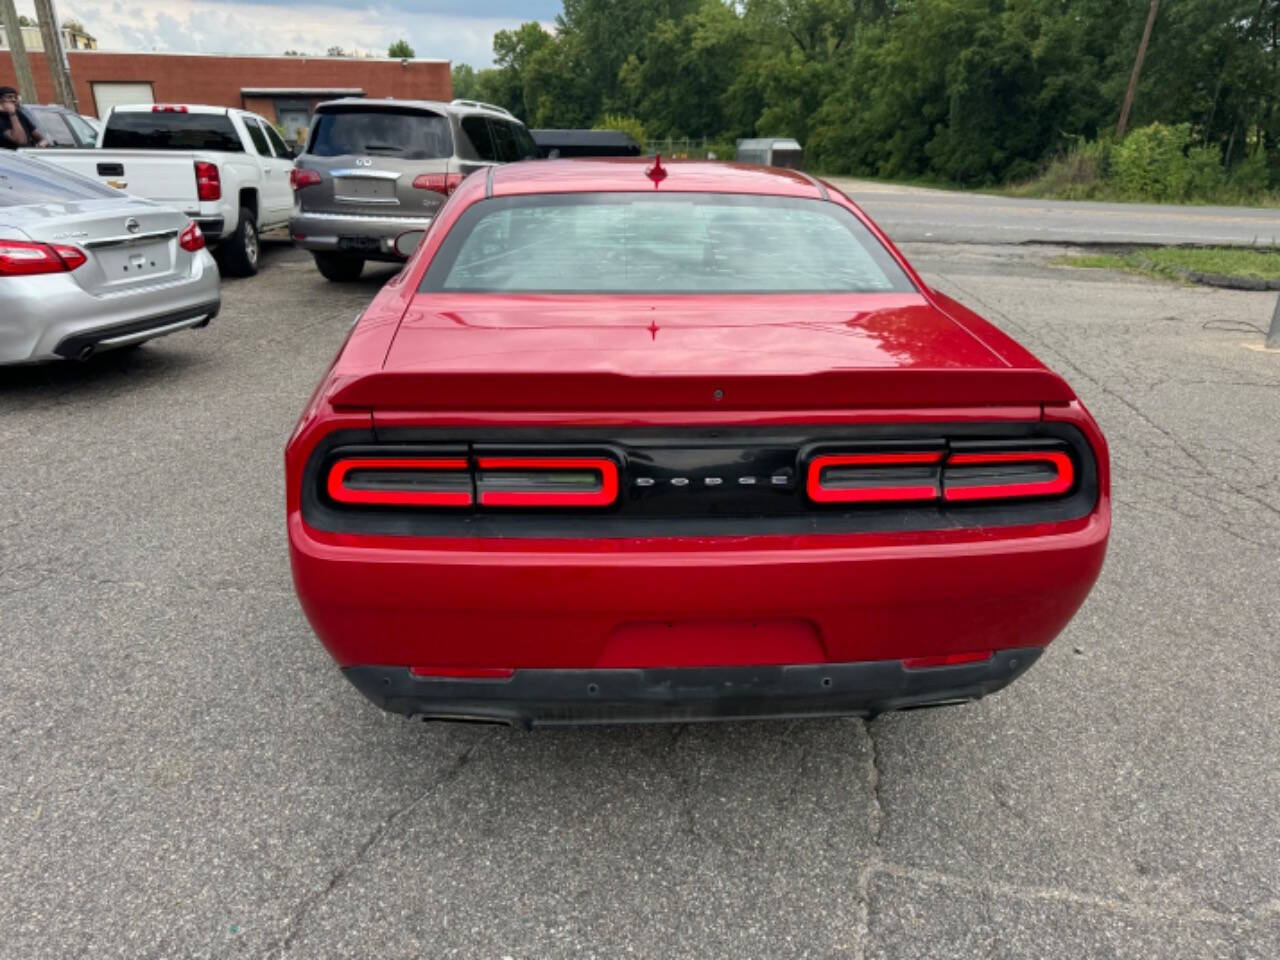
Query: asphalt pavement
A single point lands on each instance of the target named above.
(920, 214)
(186, 775)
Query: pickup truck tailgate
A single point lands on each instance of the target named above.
(167, 176)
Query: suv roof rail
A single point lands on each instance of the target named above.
(483, 106)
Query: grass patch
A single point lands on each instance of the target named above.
(1180, 263)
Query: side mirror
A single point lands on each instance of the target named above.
(407, 242)
(295, 151)
(553, 153)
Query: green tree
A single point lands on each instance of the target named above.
(400, 50)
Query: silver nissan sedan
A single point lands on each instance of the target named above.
(84, 268)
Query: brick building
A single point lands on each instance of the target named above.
(283, 89)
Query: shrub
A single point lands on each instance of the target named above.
(628, 125)
(1205, 176)
(1151, 162)
(1251, 175)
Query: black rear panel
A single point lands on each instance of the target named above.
(704, 482)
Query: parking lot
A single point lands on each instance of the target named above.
(186, 774)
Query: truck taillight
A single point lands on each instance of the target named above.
(192, 238)
(21, 258)
(301, 177)
(441, 183)
(208, 181)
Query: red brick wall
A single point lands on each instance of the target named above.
(179, 78)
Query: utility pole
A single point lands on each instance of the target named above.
(1137, 71)
(54, 54)
(18, 50)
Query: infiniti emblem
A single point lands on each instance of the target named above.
(132, 225)
(364, 162)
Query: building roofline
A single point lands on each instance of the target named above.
(256, 56)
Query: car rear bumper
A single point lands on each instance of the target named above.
(404, 603)
(50, 316)
(326, 233)
(578, 697)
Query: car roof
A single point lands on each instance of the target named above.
(582, 138)
(619, 174)
(436, 106)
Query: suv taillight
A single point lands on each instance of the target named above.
(208, 181)
(441, 183)
(301, 177)
(192, 238)
(21, 258)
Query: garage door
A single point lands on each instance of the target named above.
(108, 95)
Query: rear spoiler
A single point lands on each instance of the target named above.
(603, 392)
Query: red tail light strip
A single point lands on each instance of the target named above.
(340, 492)
(919, 490)
(947, 660)
(1061, 462)
(605, 495)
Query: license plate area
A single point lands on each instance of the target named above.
(126, 264)
(366, 190)
(359, 244)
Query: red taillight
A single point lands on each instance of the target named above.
(958, 476)
(168, 108)
(465, 673)
(208, 181)
(1008, 474)
(547, 481)
(299, 178)
(947, 660)
(874, 477)
(442, 183)
(192, 238)
(401, 481)
(21, 258)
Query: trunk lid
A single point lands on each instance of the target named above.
(497, 352)
(129, 242)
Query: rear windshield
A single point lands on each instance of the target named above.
(389, 133)
(26, 181)
(664, 243)
(171, 131)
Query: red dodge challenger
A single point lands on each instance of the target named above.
(630, 441)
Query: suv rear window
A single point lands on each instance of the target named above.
(657, 244)
(411, 134)
(171, 131)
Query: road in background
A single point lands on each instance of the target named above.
(918, 214)
(185, 774)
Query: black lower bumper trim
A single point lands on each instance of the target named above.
(211, 227)
(73, 347)
(580, 697)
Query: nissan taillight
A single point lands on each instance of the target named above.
(22, 258)
(208, 181)
(192, 238)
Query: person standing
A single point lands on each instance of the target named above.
(17, 129)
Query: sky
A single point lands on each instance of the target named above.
(457, 30)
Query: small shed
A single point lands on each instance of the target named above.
(585, 143)
(771, 152)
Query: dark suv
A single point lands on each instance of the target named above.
(374, 169)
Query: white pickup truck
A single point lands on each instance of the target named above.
(226, 169)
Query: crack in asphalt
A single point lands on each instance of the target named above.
(875, 825)
(307, 904)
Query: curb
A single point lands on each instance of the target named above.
(1213, 279)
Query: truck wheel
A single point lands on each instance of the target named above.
(239, 252)
(339, 268)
